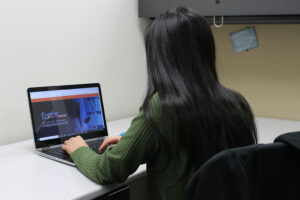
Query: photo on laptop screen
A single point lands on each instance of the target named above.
(66, 112)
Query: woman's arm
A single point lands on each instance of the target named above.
(137, 146)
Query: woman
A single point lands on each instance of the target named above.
(186, 118)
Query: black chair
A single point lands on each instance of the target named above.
(256, 172)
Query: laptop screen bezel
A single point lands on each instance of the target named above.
(47, 143)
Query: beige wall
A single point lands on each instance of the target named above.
(268, 76)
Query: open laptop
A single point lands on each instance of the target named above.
(60, 112)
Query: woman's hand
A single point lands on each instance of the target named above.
(73, 143)
(109, 141)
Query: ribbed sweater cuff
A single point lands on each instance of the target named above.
(80, 153)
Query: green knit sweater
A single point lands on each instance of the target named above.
(139, 145)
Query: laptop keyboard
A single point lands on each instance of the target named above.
(59, 153)
(94, 145)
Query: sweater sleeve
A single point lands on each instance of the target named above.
(137, 146)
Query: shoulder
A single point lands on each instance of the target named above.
(158, 108)
(151, 110)
(237, 99)
(155, 103)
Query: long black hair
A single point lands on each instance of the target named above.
(181, 67)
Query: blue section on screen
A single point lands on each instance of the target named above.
(68, 117)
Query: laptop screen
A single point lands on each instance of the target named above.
(64, 113)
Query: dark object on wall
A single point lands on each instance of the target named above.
(234, 11)
(256, 172)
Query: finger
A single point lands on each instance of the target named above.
(79, 138)
(63, 147)
(72, 139)
(107, 142)
(104, 144)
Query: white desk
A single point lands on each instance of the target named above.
(269, 129)
(25, 175)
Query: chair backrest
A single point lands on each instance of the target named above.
(262, 171)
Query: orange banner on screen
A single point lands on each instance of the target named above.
(64, 97)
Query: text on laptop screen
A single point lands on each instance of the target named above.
(67, 112)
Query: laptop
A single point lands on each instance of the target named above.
(61, 112)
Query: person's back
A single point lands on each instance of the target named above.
(169, 169)
(198, 116)
(187, 115)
